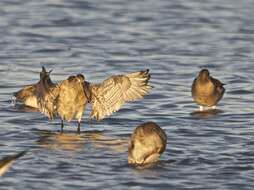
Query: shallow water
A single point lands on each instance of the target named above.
(174, 39)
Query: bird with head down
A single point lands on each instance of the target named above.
(69, 97)
(147, 142)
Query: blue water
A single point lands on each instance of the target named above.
(174, 39)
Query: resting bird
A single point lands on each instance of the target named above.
(206, 90)
(69, 97)
(146, 144)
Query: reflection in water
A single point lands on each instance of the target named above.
(162, 163)
(7, 161)
(62, 141)
(76, 142)
(23, 108)
(98, 140)
(206, 113)
(145, 166)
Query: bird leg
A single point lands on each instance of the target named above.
(62, 125)
(78, 130)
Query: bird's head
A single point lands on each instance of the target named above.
(81, 78)
(204, 74)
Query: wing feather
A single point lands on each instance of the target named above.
(108, 96)
(46, 93)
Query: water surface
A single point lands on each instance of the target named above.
(174, 39)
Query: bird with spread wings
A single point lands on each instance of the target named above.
(68, 98)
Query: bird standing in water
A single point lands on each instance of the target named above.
(69, 97)
(28, 94)
(206, 90)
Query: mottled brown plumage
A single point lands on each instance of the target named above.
(69, 97)
(105, 98)
(146, 144)
(206, 90)
(28, 94)
(46, 92)
(108, 96)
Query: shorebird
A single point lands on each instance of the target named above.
(28, 94)
(147, 143)
(7, 161)
(206, 90)
(69, 97)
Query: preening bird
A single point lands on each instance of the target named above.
(69, 97)
(206, 90)
(146, 144)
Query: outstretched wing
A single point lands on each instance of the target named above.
(27, 96)
(25, 92)
(108, 96)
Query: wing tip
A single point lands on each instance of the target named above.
(145, 72)
(43, 69)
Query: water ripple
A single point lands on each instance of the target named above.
(174, 39)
